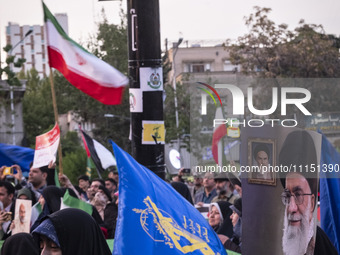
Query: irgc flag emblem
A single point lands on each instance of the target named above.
(153, 218)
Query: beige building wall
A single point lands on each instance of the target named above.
(198, 60)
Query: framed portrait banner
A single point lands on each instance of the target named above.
(261, 160)
(22, 217)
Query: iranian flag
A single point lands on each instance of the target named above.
(82, 69)
(220, 130)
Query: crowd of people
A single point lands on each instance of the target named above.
(220, 196)
(55, 230)
(58, 231)
(51, 230)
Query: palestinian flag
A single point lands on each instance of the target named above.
(89, 160)
(82, 69)
(101, 157)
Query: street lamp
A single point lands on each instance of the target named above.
(27, 34)
(11, 87)
(174, 52)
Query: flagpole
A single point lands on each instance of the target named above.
(56, 118)
(145, 61)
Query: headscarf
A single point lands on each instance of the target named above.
(225, 227)
(78, 233)
(28, 193)
(237, 207)
(52, 195)
(20, 244)
(223, 209)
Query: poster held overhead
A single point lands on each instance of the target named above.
(46, 147)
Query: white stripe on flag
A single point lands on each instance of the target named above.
(105, 156)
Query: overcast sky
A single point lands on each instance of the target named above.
(191, 19)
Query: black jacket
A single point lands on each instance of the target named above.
(323, 245)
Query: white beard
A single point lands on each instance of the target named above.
(295, 239)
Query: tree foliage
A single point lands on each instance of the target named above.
(74, 164)
(12, 78)
(183, 104)
(273, 51)
(37, 107)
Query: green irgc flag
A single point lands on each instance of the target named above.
(89, 167)
(72, 202)
(56, 179)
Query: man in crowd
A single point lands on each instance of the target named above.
(197, 187)
(7, 199)
(300, 199)
(224, 189)
(113, 174)
(84, 183)
(209, 192)
(111, 185)
(93, 189)
(37, 178)
(236, 182)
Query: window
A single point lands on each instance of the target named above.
(228, 66)
(197, 67)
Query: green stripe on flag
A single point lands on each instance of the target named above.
(69, 201)
(48, 16)
(56, 178)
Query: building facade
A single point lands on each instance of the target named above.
(33, 47)
(11, 113)
(210, 65)
(28, 42)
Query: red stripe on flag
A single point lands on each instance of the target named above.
(217, 135)
(85, 143)
(106, 95)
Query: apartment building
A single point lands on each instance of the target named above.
(28, 42)
(32, 45)
(199, 62)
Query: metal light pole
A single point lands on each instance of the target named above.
(174, 52)
(11, 87)
(145, 71)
